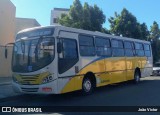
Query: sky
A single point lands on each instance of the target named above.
(145, 10)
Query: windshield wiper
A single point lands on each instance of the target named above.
(36, 49)
(22, 47)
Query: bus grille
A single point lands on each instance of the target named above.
(26, 80)
(29, 89)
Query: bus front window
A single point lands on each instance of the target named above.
(33, 54)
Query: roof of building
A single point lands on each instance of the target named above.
(61, 9)
(28, 20)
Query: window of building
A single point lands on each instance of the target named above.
(55, 20)
(86, 44)
(117, 48)
(69, 56)
(103, 47)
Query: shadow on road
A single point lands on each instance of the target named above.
(104, 90)
(126, 93)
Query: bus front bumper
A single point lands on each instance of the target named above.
(48, 88)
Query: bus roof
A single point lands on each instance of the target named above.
(35, 28)
(80, 31)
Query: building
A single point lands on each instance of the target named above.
(7, 34)
(23, 23)
(7, 22)
(9, 26)
(56, 13)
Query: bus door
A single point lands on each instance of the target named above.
(68, 61)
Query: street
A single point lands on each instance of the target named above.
(146, 93)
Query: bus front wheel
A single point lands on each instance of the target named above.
(87, 86)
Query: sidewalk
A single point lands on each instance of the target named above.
(5, 80)
(6, 90)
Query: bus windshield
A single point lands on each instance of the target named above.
(33, 54)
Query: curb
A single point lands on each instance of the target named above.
(5, 83)
(10, 98)
(14, 97)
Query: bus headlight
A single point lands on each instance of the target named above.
(14, 79)
(47, 79)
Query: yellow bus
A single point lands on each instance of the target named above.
(57, 59)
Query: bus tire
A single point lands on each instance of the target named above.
(137, 77)
(87, 86)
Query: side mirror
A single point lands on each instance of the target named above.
(59, 47)
(6, 52)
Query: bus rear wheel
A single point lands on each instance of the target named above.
(136, 77)
(87, 86)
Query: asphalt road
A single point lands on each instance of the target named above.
(146, 93)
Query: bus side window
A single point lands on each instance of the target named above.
(69, 56)
(147, 50)
(129, 51)
(103, 47)
(86, 45)
(117, 48)
(139, 49)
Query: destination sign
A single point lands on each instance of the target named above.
(35, 33)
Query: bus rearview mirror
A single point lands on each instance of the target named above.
(6, 53)
(6, 50)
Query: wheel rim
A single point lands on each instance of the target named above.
(137, 78)
(87, 85)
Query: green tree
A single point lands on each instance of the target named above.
(105, 30)
(155, 32)
(97, 18)
(84, 17)
(115, 24)
(65, 20)
(126, 24)
(76, 14)
(154, 37)
(144, 32)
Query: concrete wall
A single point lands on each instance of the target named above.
(7, 22)
(5, 64)
(24, 23)
(9, 26)
(7, 35)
